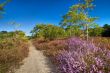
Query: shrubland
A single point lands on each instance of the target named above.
(50, 48)
(63, 44)
(13, 49)
(102, 42)
(83, 57)
(69, 51)
(77, 55)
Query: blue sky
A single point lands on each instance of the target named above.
(28, 13)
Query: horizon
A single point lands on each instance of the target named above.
(28, 13)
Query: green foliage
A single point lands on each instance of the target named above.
(96, 31)
(47, 31)
(2, 7)
(50, 32)
(106, 32)
(79, 15)
(106, 26)
(4, 4)
(73, 30)
(16, 34)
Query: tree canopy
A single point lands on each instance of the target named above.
(47, 31)
(2, 7)
(79, 15)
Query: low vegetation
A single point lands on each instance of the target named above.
(51, 48)
(77, 55)
(13, 49)
(102, 42)
(83, 57)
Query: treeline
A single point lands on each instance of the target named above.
(106, 32)
(13, 34)
(100, 31)
(76, 22)
(49, 31)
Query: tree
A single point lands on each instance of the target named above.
(106, 26)
(79, 15)
(47, 31)
(106, 32)
(3, 32)
(2, 7)
(73, 31)
(96, 31)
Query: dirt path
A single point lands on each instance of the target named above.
(36, 62)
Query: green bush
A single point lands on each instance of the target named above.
(96, 31)
(48, 31)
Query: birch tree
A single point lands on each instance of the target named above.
(79, 15)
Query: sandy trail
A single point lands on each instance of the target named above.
(36, 62)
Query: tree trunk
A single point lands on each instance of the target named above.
(87, 36)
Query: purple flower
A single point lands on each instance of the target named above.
(83, 57)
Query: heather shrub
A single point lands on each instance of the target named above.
(83, 57)
(50, 48)
(12, 51)
(101, 42)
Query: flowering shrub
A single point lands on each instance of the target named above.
(83, 57)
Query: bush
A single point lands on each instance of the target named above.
(11, 54)
(77, 56)
(101, 42)
(83, 57)
(106, 32)
(50, 48)
(96, 31)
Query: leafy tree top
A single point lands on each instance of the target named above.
(79, 14)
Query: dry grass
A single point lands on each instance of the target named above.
(101, 42)
(50, 48)
(12, 52)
